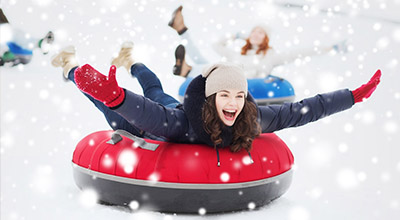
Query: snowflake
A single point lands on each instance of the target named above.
(304, 110)
(127, 159)
(224, 177)
(251, 205)
(348, 128)
(107, 161)
(88, 198)
(246, 160)
(390, 127)
(202, 211)
(299, 213)
(347, 178)
(154, 177)
(343, 148)
(134, 205)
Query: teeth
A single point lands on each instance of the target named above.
(230, 111)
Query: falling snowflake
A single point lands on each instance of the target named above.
(396, 35)
(134, 205)
(202, 211)
(251, 205)
(385, 177)
(246, 160)
(347, 178)
(88, 198)
(43, 180)
(91, 142)
(127, 159)
(316, 193)
(44, 94)
(390, 127)
(343, 148)
(154, 177)
(383, 43)
(299, 213)
(10, 116)
(224, 177)
(304, 110)
(348, 128)
(107, 161)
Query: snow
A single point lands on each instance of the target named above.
(347, 165)
(127, 159)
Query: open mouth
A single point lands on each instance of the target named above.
(229, 114)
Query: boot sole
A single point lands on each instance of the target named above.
(179, 57)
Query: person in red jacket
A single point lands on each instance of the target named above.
(217, 110)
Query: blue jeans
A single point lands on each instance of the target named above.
(152, 90)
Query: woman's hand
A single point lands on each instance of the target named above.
(99, 86)
(341, 47)
(367, 89)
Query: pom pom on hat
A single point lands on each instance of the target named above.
(221, 76)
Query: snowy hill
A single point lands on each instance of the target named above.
(347, 165)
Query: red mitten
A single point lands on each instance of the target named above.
(99, 86)
(366, 90)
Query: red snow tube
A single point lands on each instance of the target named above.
(181, 178)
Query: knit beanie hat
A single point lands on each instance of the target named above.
(222, 76)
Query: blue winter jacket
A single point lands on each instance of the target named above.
(184, 124)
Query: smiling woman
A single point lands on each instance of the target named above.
(217, 111)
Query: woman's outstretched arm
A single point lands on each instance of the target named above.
(277, 117)
(141, 112)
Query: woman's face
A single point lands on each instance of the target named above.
(257, 36)
(229, 104)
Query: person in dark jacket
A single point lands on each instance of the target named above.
(217, 109)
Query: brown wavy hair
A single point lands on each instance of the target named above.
(262, 48)
(245, 128)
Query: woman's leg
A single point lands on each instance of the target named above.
(115, 120)
(151, 85)
(192, 50)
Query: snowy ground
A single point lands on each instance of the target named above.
(347, 165)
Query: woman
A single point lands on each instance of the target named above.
(257, 56)
(217, 110)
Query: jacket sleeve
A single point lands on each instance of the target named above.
(277, 117)
(221, 48)
(153, 117)
(280, 58)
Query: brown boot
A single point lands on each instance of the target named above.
(124, 57)
(177, 21)
(181, 68)
(65, 59)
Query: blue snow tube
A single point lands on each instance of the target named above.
(269, 90)
(18, 50)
